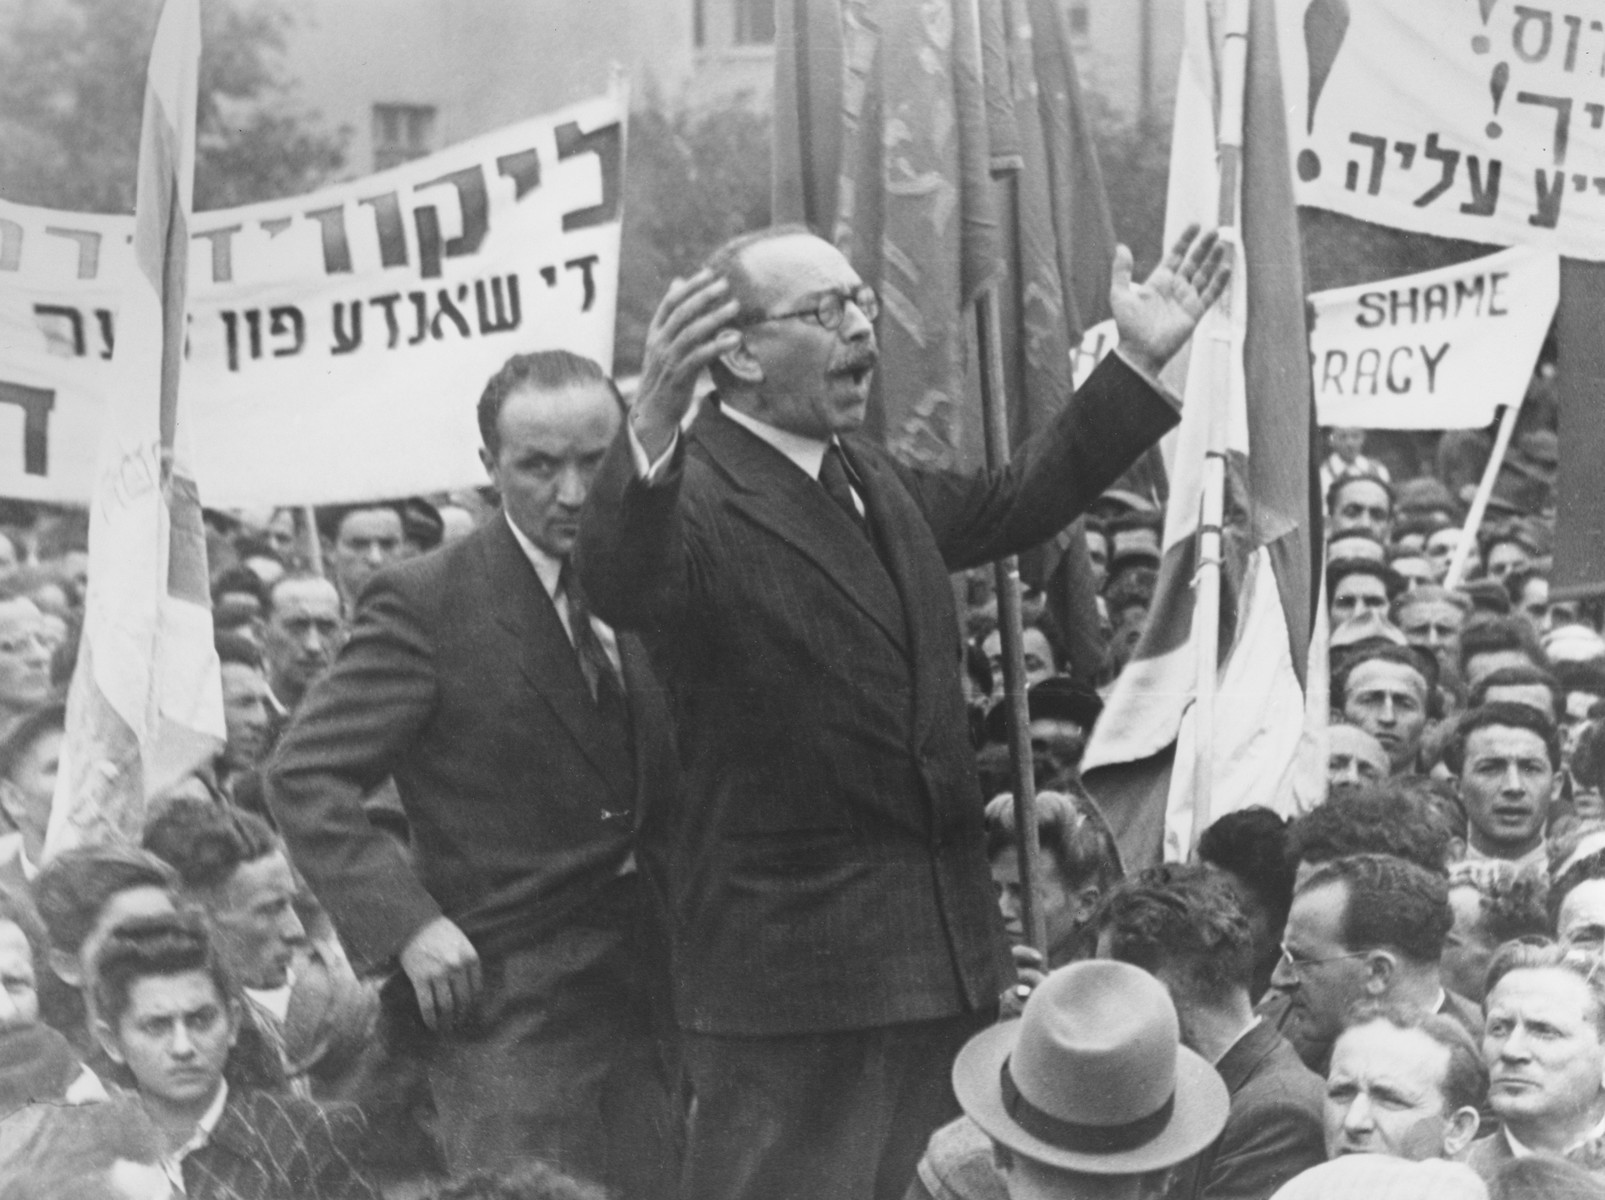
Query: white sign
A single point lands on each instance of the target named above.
(1474, 119)
(1438, 350)
(338, 342)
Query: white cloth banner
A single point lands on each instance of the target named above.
(1474, 119)
(1438, 350)
(338, 342)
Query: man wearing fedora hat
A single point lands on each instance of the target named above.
(1090, 1094)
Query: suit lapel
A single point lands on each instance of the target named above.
(900, 527)
(778, 496)
(545, 656)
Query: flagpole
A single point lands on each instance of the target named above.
(1007, 571)
(314, 545)
(1206, 617)
(1485, 490)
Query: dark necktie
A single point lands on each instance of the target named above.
(833, 478)
(595, 665)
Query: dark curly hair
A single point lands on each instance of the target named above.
(73, 888)
(1251, 844)
(1389, 903)
(1501, 713)
(1491, 634)
(207, 842)
(1381, 820)
(145, 946)
(1185, 921)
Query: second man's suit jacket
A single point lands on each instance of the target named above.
(460, 682)
(826, 867)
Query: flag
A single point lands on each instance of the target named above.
(944, 146)
(145, 705)
(1139, 760)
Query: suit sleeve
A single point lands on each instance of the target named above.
(1259, 1154)
(354, 726)
(632, 554)
(1051, 479)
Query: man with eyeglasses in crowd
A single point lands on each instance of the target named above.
(835, 934)
(1366, 927)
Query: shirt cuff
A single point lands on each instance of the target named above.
(1153, 381)
(647, 471)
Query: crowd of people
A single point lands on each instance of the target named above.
(640, 826)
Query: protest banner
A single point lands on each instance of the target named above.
(337, 342)
(1438, 350)
(1483, 121)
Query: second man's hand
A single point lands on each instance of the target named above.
(1156, 317)
(444, 969)
(688, 331)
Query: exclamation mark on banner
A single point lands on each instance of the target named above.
(1479, 43)
(1496, 87)
(1326, 24)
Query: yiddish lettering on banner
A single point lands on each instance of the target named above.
(1474, 119)
(338, 342)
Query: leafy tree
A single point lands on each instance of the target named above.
(692, 180)
(72, 80)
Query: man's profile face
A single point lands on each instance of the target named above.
(1362, 504)
(1581, 919)
(1384, 1093)
(1544, 1054)
(1389, 701)
(816, 381)
(1322, 975)
(255, 915)
(553, 441)
(1354, 760)
(174, 1037)
(1505, 785)
(19, 993)
(368, 538)
(302, 635)
(247, 715)
(24, 657)
(1356, 593)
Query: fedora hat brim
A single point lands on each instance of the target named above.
(1200, 1111)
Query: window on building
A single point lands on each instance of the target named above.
(755, 22)
(1080, 20)
(401, 132)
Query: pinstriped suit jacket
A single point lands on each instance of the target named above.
(826, 868)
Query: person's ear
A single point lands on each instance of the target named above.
(235, 1019)
(489, 463)
(66, 968)
(1460, 1131)
(1380, 969)
(741, 363)
(107, 1037)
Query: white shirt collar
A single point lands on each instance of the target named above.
(807, 453)
(549, 569)
(173, 1164)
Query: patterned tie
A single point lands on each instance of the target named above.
(595, 665)
(833, 478)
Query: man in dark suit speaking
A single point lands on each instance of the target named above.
(526, 740)
(835, 936)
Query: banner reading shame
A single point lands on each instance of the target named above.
(1474, 119)
(338, 342)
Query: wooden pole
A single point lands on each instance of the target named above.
(1479, 502)
(1221, 349)
(309, 521)
(995, 413)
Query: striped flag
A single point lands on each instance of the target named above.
(145, 706)
(1138, 763)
